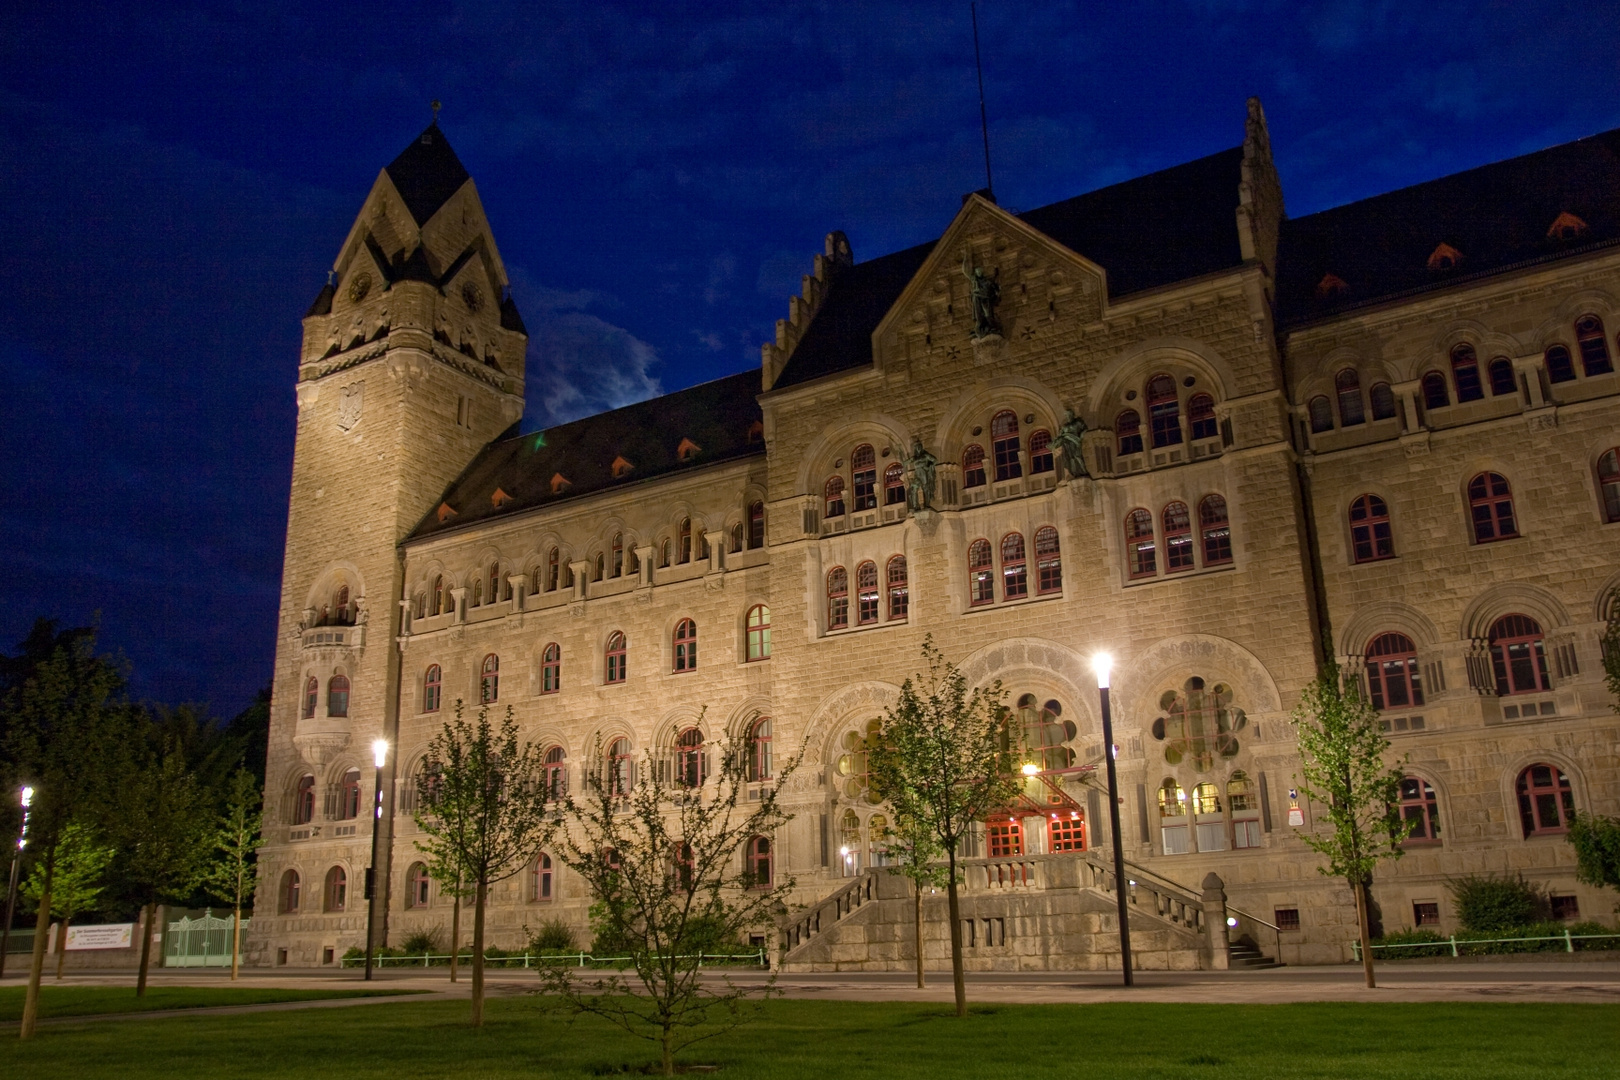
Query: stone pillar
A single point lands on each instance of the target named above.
(1528, 370)
(459, 598)
(645, 555)
(1215, 921)
(520, 591)
(581, 570)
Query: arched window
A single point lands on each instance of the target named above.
(1004, 442)
(973, 467)
(542, 878)
(1347, 385)
(438, 595)
(759, 751)
(1518, 656)
(1178, 542)
(833, 494)
(1465, 373)
(1321, 414)
(759, 862)
(615, 655)
(1216, 529)
(1048, 562)
(894, 485)
(691, 765)
(419, 606)
(1490, 504)
(337, 889)
(620, 767)
(340, 606)
(556, 772)
(432, 687)
(553, 569)
(304, 801)
(1503, 381)
(616, 563)
(1435, 394)
(1014, 574)
(758, 629)
(1164, 411)
(348, 807)
(477, 598)
(1040, 452)
(980, 587)
(1392, 672)
(898, 588)
(418, 885)
(337, 696)
(863, 471)
(551, 669)
(1369, 529)
(1201, 416)
(1173, 817)
(1593, 345)
(685, 642)
(756, 525)
(1139, 543)
(1040, 733)
(866, 593)
(289, 892)
(601, 566)
(1244, 804)
(1209, 816)
(1383, 401)
(664, 552)
(495, 582)
(1560, 368)
(685, 547)
(1419, 806)
(489, 680)
(1546, 802)
(1608, 475)
(837, 598)
(312, 696)
(1128, 430)
(535, 579)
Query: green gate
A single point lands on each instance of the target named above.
(204, 941)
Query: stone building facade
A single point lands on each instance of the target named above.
(1160, 419)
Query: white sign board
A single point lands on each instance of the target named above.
(110, 936)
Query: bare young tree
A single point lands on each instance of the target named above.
(672, 857)
(232, 874)
(483, 807)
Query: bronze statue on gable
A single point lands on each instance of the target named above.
(985, 291)
(919, 468)
(1068, 446)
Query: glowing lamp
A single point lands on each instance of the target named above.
(27, 796)
(379, 751)
(1030, 768)
(1102, 664)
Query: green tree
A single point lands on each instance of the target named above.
(483, 808)
(82, 859)
(231, 875)
(1596, 840)
(939, 763)
(663, 850)
(915, 852)
(1341, 754)
(1611, 650)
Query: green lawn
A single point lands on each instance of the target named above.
(831, 1040)
(93, 1000)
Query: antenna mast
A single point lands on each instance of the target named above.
(984, 122)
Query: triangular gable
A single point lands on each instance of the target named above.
(445, 233)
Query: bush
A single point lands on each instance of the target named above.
(423, 943)
(1416, 940)
(1596, 841)
(553, 938)
(1475, 943)
(1487, 904)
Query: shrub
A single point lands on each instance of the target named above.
(1416, 945)
(1596, 841)
(554, 937)
(1489, 904)
(423, 943)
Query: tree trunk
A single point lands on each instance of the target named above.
(146, 947)
(917, 885)
(669, 1051)
(455, 928)
(1362, 928)
(480, 895)
(956, 938)
(61, 944)
(42, 929)
(236, 939)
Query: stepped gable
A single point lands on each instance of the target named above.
(1148, 232)
(427, 173)
(1494, 217)
(716, 418)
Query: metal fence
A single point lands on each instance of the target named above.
(753, 959)
(204, 941)
(1458, 947)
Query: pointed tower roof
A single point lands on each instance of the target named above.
(427, 173)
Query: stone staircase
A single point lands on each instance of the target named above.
(1245, 955)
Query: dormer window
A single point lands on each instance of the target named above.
(621, 468)
(756, 432)
(687, 450)
(1330, 286)
(499, 499)
(1444, 257)
(446, 512)
(560, 483)
(1565, 226)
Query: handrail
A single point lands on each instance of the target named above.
(1253, 918)
(757, 957)
(1453, 943)
(1142, 871)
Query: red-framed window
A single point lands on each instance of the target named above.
(1490, 506)
(312, 696)
(1004, 443)
(1139, 545)
(1608, 478)
(348, 803)
(1128, 430)
(756, 525)
(290, 883)
(1164, 411)
(1560, 368)
(1066, 832)
(1465, 373)
(685, 545)
(1201, 416)
(418, 886)
(1040, 452)
(551, 669)
(837, 598)
(337, 889)
(866, 593)
(1519, 656)
(620, 767)
(542, 886)
(863, 468)
(556, 772)
(1546, 802)
(759, 862)
(1014, 572)
(898, 588)
(1005, 836)
(489, 680)
(1435, 394)
(438, 595)
(1216, 530)
(1370, 534)
(757, 630)
(1383, 401)
(553, 569)
(973, 467)
(304, 801)
(981, 589)
(616, 556)
(691, 764)
(1593, 345)
(685, 642)
(1347, 386)
(432, 688)
(1320, 410)
(1393, 680)
(1503, 381)
(759, 751)
(340, 605)
(1178, 541)
(832, 497)
(1419, 806)
(337, 696)
(894, 485)
(1244, 804)
(1048, 562)
(617, 657)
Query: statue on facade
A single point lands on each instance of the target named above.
(986, 294)
(1067, 444)
(919, 468)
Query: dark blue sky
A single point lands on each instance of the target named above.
(176, 180)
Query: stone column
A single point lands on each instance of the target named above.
(645, 555)
(520, 591)
(459, 598)
(581, 569)
(1215, 922)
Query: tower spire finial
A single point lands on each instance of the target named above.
(984, 122)
(436, 107)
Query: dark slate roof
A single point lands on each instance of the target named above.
(715, 415)
(1148, 232)
(1497, 216)
(427, 173)
(323, 301)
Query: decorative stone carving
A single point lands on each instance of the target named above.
(349, 402)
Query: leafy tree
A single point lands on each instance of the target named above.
(483, 808)
(1341, 755)
(1611, 649)
(940, 764)
(82, 859)
(666, 862)
(231, 875)
(916, 854)
(1596, 840)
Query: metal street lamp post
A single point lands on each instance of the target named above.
(1102, 663)
(379, 754)
(11, 890)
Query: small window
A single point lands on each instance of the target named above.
(685, 643)
(340, 606)
(833, 497)
(894, 485)
(1419, 806)
(551, 669)
(1139, 543)
(1560, 368)
(1425, 914)
(304, 801)
(477, 597)
(1593, 345)
(837, 598)
(348, 802)
(489, 680)
(1393, 679)
(1383, 401)
(1014, 576)
(691, 764)
(1435, 394)
(1518, 656)
(337, 696)
(1005, 836)
(973, 467)
(1201, 416)
(620, 770)
(1503, 382)
(1216, 529)
(1048, 562)
(1347, 385)
(981, 590)
(1004, 441)
(542, 878)
(616, 560)
(556, 772)
(1287, 918)
(758, 631)
(1370, 534)
(601, 566)
(1128, 430)
(866, 593)
(553, 568)
(1066, 833)
(1546, 802)
(418, 886)
(312, 696)
(895, 583)
(759, 862)
(1490, 504)
(1164, 411)
(685, 548)
(664, 553)
(1465, 373)
(759, 751)
(337, 889)
(1178, 542)
(615, 656)
(1565, 908)
(1040, 452)
(1321, 413)
(289, 892)
(863, 466)
(432, 686)
(1608, 476)
(756, 525)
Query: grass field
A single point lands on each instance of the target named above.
(831, 1040)
(94, 1000)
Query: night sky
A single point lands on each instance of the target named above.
(176, 180)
